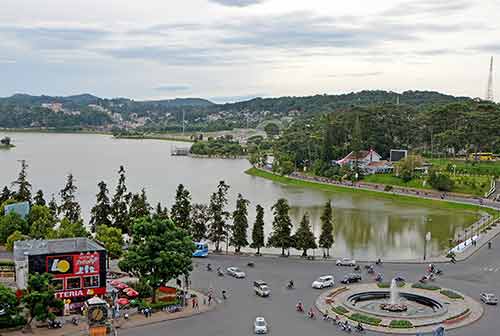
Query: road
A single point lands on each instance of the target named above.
(234, 317)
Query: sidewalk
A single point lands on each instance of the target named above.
(135, 320)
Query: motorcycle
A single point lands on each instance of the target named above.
(311, 315)
(250, 264)
(379, 278)
(75, 320)
(345, 326)
(290, 285)
(54, 324)
(378, 262)
(219, 273)
(438, 272)
(299, 308)
(357, 268)
(224, 296)
(359, 328)
(209, 268)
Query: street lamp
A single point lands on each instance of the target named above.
(427, 239)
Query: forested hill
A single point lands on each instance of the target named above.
(328, 103)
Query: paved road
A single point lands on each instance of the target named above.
(234, 317)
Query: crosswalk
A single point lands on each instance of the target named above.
(491, 269)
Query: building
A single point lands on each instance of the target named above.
(77, 264)
(363, 158)
(55, 107)
(21, 208)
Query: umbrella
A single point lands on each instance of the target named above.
(131, 293)
(123, 301)
(121, 285)
(115, 282)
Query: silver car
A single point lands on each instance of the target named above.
(489, 298)
(235, 272)
(346, 262)
(260, 325)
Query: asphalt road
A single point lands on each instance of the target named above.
(235, 316)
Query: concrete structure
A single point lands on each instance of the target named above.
(21, 208)
(77, 264)
(363, 158)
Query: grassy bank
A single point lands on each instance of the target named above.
(57, 131)
(153, 137)
(340, 189)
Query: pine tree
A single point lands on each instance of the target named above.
(39, 200)
(69, 208)
(326, 236)
(218, 228)
(160, 212)
(139, 206)
(258, 229)
(181, 210)
(100, 214)
(356, 144)
(199, 220)
(53, 206)
(119, 204)
(240, 224)
(304, 238)
(23, 193)
(5, 195)
(282, 226)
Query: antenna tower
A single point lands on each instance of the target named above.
(489, 91)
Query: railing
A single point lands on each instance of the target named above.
(492, 189)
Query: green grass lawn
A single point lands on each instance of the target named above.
(468, 167)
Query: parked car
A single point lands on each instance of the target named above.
(346, 262)
(260, 325)
(489, 298)
(235, 272)
(261, 288)
(323, 281)
(350, 278)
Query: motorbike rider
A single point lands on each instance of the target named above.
(291, 284)
(359, 327)
(209, 267)
(224, 294)
(311, 313)
(299, 306)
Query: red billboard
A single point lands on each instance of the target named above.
(73, 264)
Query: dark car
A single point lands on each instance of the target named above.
(350, 278)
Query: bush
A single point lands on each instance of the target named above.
(400, 284)
(12, 322)
(340, 310)
(425, 286)
(440, 182)
(451, 294)
(365, 319)
(404, 324)
(144, 290)
(388, 188)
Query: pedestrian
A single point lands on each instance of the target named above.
(196, 306)
(489, 244)
(209, 299)
(193, 302)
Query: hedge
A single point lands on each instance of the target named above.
(425, 286)
(12, 322)
(340, 310)
(451, 294)
(365, 319)
(403, 324)
(6, 262)
(400, 284)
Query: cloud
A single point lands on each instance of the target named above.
(237, 3)
(433, 7)
(358, 74)
(491, 48)
(173, 88)
(232, 99)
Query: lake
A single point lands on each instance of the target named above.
(365, 226)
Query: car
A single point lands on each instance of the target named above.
(350, 278)
(235, 272)
(260, 325)
(261, 288)
(346, 262)
(323, 281)
(489, 298)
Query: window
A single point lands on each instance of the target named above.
(58, 284)
(91, 281)
(73, 283)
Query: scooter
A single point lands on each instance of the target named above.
(54, 324)
(357, 268)
(219, 273)
(209, 268)
(379, 278)
(75, 320)
(290, 285)
(299, 308)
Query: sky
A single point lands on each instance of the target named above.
(228, 50)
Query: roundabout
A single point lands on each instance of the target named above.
(400, 308)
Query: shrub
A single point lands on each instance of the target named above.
(12, 322)
(451, 294)
(340, 310)
(425, 286)
(388, 188)
(404, 324)
(144, 290)
(400, 284)
(365, 319)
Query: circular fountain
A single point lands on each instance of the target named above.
(394, 305)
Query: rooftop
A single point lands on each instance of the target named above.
(23, 248)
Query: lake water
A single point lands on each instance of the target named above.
(365, 226)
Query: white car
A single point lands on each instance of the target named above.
(489, 298)
(260, 325)
(235, 272)
(346, 262)
(323, 281)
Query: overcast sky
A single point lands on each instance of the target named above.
(236, 49)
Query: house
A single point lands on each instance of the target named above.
(363, 158)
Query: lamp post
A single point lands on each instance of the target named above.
(427, 238)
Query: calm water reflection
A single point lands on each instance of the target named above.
(365, 226)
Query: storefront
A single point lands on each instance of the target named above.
(78, 266)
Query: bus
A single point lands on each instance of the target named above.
(201, 250)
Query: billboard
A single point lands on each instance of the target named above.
(398, 155)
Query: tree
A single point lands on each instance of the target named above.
(68, 229)
(119, 204)
(139, 206)
(326, 236)
(69, 207)
(15, 236)
(9, 224)
(282, 226)
(240, 224)
(159, 252)
(161, 212)
(39, 299)
(258, 229)
(41, 222)
(5, 195)
(39, 200)
(271, 130)
(199, 219)
(356, 143)
(406, 167)
(304, 238)
(9, 306)
(100, 214)
(23, 193)
(217, 230)
(112, 239)
(53, 206)
(440, 181)
(181, 210)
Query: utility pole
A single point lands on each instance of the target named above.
(183, 124)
